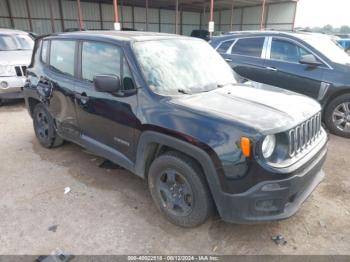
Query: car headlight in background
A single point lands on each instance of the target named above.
(7, 70)
(268, 145)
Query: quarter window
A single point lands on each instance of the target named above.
(249, 46)
(224, 46)
(283, 50)
(100, 59)
(62, 56)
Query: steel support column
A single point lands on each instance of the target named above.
(295, 14)
(146, 15)
(60, 8)
(116, 16)
(232, 10)
(80, 19)
(10, 13)
(262, 19)
(101, 14)
(29, 16)
(51, 17)
(177, 17)
(211, 13)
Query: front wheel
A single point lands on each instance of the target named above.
(337, 116)
(44, 127)
(179, 190)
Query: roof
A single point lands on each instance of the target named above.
(297, 34)
(122, 35)
(11, 31)
(194, 5)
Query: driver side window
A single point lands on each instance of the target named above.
(286, 51)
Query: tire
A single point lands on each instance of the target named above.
(179, 190)
(44, 127)
(337, 116)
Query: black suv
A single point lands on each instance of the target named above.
(310, 64)
(167, 109)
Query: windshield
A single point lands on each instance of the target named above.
(184, 66)
(330, 49)
(15, 42)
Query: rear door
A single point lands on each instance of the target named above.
(247, 58)
(285, 71)
(107, 120)
(56, 81)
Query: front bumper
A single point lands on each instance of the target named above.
(274, 199)
(14, 87)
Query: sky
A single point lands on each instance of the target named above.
(322, 12)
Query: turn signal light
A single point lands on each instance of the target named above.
(245, 146)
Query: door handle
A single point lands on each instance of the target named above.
(271, 68)
(83, 98)
(228, 59)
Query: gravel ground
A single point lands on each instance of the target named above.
(111, 212)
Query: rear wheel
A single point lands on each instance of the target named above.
(44, 127)
(337, 116)
(179, 190)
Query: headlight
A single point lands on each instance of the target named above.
(7, 70)
(268, 145)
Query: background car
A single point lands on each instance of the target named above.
(15, 55)
(345, 43)
(306, 63)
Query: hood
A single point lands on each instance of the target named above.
(22, 57)
(265, 108)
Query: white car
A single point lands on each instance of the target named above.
(15, 54)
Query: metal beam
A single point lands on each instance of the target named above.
(262, 19)
(29, 16)
(232, 10)
(146, 15)
(80, 19)
(60, 8)
(101, 14)
(51, 17)
(177, 17)
(10, 13)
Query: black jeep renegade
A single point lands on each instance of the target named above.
(168, 109)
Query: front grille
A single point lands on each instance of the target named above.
(304, 135)
(20, 70)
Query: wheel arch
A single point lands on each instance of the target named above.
(334, 96)
(151, 144)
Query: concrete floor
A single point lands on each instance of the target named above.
(111, 212)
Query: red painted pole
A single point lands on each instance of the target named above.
(115, 8)
(80, 15)
(262, 15)
(211, 10)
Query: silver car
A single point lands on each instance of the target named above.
(15, 55)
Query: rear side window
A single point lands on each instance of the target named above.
(62, 56)
(224, 46)
(286, 51)
(249, 47)
(100, 59)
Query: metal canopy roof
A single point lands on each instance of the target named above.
(193, 5)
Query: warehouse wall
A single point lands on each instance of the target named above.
(100, 16)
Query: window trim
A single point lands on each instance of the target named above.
(268, 53)
(122, 57)
(221, 43)
(229, 51)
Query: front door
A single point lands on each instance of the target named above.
(285, 71)
(107, 120)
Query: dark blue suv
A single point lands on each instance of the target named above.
(310, 64)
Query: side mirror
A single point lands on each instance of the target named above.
(107, 83)
(309, 60)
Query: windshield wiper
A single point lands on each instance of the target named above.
(183, 91)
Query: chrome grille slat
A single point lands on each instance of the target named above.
(304, 135)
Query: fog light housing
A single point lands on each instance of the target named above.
(4, 84)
